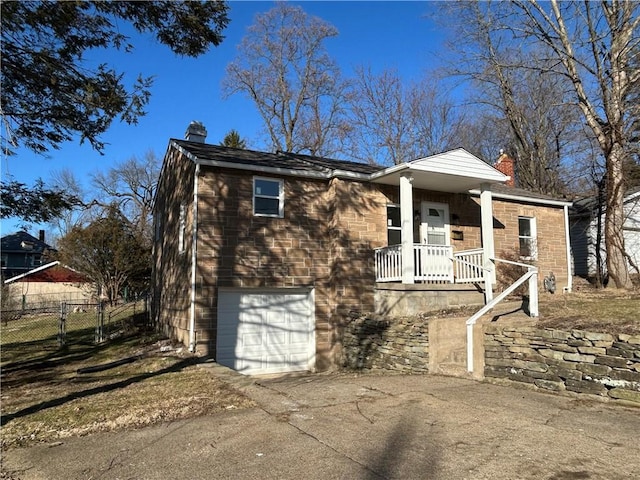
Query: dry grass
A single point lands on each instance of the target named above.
(137, 382)
(596, 310)
(603, 311)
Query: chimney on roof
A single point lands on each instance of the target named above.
(41, 236)
(506, 165)
(196, 132)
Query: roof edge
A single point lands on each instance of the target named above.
(522, 198)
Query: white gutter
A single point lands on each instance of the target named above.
(194, 246)
(519, 198)
(569, 287)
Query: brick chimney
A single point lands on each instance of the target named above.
(506, 165)
(196, 132)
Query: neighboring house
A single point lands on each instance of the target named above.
(48, 284)
(21, 252)
(584, 221)
(260, 259)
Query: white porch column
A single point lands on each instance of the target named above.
(406, 222)
(488, 246)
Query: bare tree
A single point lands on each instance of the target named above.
(282, 65)
(529, 110)
(77, 216)
(130, 186)
(392, 122)
(593, 44)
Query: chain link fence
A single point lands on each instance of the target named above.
(52, 326)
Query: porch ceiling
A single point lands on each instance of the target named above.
(455, 171)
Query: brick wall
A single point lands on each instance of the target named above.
(552, 251)
(325, 240)
(171, 272)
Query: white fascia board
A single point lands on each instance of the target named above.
(31, 272)
(488, 175)
(520, 198)
(351, 175)
(389, 171)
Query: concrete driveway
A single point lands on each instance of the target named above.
(345, 426)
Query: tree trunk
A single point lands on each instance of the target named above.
(614, 220)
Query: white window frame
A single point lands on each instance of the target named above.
(389, 226)
(280, 197)
(533, 238)
(182, 225)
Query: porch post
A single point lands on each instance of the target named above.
(488, 246)
(406, 222)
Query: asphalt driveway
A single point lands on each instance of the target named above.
(345, 426)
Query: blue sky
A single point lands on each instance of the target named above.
(381, 34)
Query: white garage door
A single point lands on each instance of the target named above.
(266, 331)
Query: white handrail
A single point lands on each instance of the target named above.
(532, 275)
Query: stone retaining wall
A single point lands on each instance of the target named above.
(399, 344)
(575, 361)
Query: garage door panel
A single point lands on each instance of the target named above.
(265, 332)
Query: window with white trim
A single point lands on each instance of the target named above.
(394, 225)
(268, 197)
(527, 237)
(182, 225)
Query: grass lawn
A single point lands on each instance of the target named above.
(137, 379)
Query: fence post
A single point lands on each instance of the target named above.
(62, 329)
(100, 324)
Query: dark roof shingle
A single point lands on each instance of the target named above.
(286, 160)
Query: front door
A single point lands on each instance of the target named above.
(434, 229)
(435, 260)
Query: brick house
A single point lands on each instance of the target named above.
(261, 258)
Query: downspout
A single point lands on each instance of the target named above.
(567, 239)
(194, 256)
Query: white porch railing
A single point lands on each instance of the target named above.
(468, 266)
(388, 263)
(433, 264)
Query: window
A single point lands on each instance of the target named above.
(527, 236)
(35, 260)
(157, 220)
(268, 197)
(182, 224)
(394, 226)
